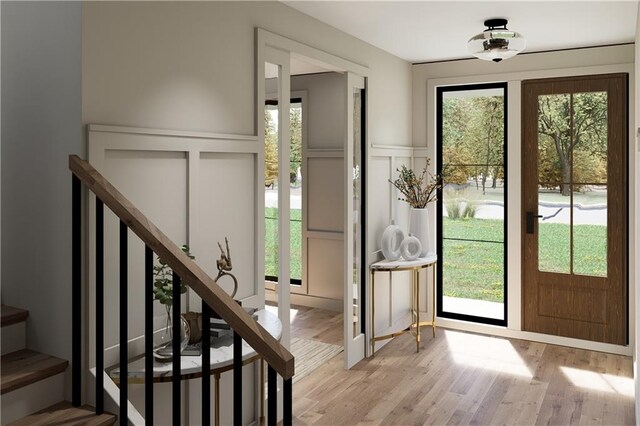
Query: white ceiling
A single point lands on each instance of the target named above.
(422, 31)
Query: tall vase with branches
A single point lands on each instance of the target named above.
(418, 191)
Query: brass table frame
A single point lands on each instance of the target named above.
(415, 303)
(215, 372)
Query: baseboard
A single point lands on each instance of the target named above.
(499, 331)
(309, 301)
(31, 398)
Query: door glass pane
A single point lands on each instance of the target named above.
(590, 137)
(357, 209)
(271, 189)
(272, 73)
(295, 197)
(554, 230)
(473, 201)
(590, 230)
(468, 213)
(473, 278)
(554, 139)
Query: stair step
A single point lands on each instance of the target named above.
(64, 413)
(24, 367)
(10, 315)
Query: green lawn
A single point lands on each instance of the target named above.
(474, 270)
(271, 242)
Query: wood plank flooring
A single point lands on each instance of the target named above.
(462, 378)
(10, 315)
(24, 367)
(65, 414)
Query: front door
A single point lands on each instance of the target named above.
(574, 181)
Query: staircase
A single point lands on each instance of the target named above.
(32, 383)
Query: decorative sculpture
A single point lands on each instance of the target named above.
(224, 265)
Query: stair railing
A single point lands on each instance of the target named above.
(214, 299)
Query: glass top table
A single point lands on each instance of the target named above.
(191, 366)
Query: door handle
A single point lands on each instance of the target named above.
(530, 221)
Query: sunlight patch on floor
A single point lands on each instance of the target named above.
(599, 381)
(486, 352)
(274, 310)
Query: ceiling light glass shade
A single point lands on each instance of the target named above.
(496, 44)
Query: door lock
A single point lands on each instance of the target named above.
(530, 221)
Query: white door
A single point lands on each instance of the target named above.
(277, 76)
(355, 257)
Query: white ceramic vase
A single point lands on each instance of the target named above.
(419, 228)
(391, 241)
(411, 248)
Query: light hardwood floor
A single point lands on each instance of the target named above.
(462, 378)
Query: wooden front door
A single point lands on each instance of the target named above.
(574, 182)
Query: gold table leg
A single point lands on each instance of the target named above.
(433, 287)
(373, 313)
(416, 280)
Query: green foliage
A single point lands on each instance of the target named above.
(295, 126)
(417, 190)
(572, 145)
(473, 133)
(459, 209)
(453, 209)
(270, 150)
(469, 211)
(572, 139)
(271, 242)
(163, 281)
(271, 145)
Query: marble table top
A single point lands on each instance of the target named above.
(191, 366)
(387, 265)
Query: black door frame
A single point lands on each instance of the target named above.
(272, 278)
(439, 205)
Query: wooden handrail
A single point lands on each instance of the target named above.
(260, 340)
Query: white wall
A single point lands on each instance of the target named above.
(539, 65)
(41, 117)
(325, 110)
(191, 66)
(323, 197)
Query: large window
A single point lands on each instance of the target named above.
(271, 190)
(471, 154)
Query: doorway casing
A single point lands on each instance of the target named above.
(279, 50)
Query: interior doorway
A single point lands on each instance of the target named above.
(317, 208)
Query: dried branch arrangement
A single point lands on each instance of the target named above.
(420, 190)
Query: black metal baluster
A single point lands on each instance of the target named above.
(287, 404)
(272, 396)
(76, 291)
(99, 306)
(124, 325)
(237, 379)
(206, 364)
(175, 351)
(148, 335)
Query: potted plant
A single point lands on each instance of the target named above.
(163, 292)
(418, 191)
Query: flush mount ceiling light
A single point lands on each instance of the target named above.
(496, 42)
